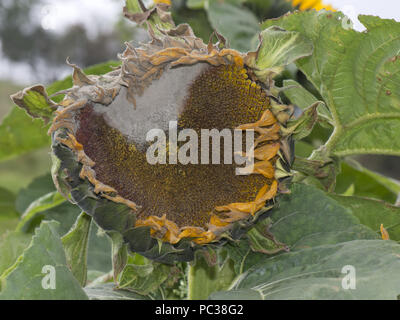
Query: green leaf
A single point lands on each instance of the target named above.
(119, 253)
(303, 149)
(8, 214)
(143, 278)
(203, 278)
(37, 188)
(7, 204)
(196, 4)
(7, 224)
(279, 48)
(317, 173)
(12, 244)
(357, 74)
(197, 19)
(20, 134)
(133, 6)
(366, 183)
(25, 279)
(100, 250)
(318, 273)
(324, 234)
(66, 214)
(75, 244)
(373, 213)
(297, 94)
(243, 255)
(236, 23)
(307, 217)
(16, 174)
(46, 202)
(99, 257)
(36, 102)
(108, 291)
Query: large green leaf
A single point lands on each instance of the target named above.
(357, 74)
(99, 252)
(319, 272)
(305, 218)
(26, 278)
(20, 134)
(308, 217)
(373, 213)
(324, 234)
(41, 192)
(53, 207)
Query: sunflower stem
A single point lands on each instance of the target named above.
(205, 278)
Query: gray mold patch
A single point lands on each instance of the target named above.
(160, 103)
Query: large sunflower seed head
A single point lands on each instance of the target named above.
(165, 210)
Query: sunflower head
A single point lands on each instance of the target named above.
(180, 147)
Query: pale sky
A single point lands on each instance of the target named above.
(98, 15)
(93, 14)
(388, 9)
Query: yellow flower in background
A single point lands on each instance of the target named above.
(163, 1)
(311, 4)
(302, 4)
